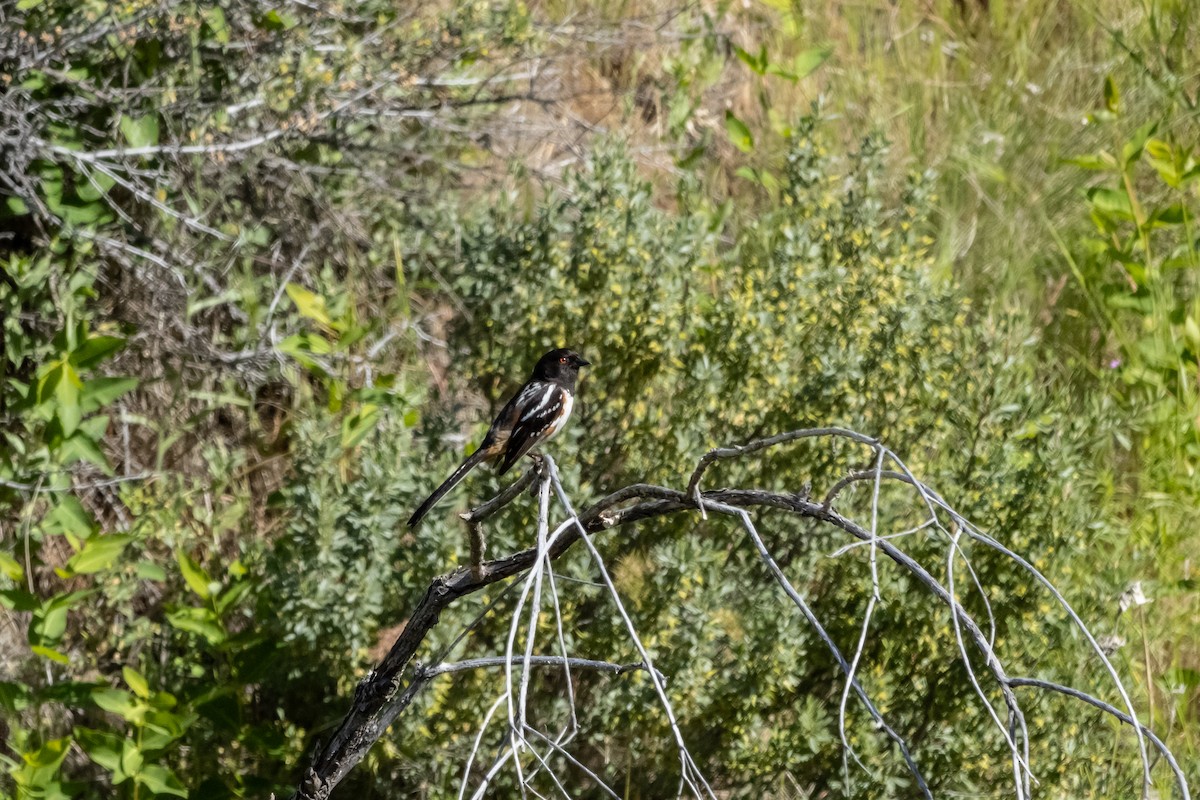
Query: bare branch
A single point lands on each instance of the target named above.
(390, 688)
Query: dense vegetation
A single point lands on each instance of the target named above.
(265, 271)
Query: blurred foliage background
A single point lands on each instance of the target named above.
(266, 270)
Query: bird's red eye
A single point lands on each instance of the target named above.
(562, 360)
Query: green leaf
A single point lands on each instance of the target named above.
(163, 727)
(160, 780)
(1162, 157)
(19, 600)
(214, 20)
(757, 63)
(309, 304)
(1132, 150)
(303, 343)
(806, 63)
(1112, 98)
(276, 20)
(69, 517)
(356, 426)
(95, 349)
(1100, 161)
(98, 553)
(42, 764)
(195, 576)
(26, 5)
(739, 134)
(231, 596)
(131, 758)
(149, 571)
(66, 394)
(1191, 330)
(104, 749)
(82, 447)
(1174, 214)
(1112, 202)
(140, 131)
(50, 653)
(201, 621)
(15, 206)
(136, 681)
(119, 702)
(48, 625)
(10, 567)
(49, 621)
(99, 392)
(14, 697)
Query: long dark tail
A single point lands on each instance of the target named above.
(472, 461)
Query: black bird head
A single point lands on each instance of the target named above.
(559, 366)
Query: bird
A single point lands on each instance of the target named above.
(532, 416)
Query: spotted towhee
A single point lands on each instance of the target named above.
(536, 413)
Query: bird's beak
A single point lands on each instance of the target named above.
(581, 362)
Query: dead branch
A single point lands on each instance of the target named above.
(384, 693)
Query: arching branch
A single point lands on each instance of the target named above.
(389, 689)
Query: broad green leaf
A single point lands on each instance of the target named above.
(98, 553)
(201, 621)
(739, 134)
(214, 19)
(161, 780)
(69, 517)
(10, 567)
(140, 131)
(19, 600)
(95, 349)
(131, 758)
(66, 393)
(149, 571)
(309, 304)
(195, 576)
(806, 63)
(104, 749)
(1174, 214)
(26, 5)
(42, 764)
(163, 727)
(136, 681)
(48, 625)
(119, 702)
(82, 447)
(99, 392)
(1161, 156)
(1111, 202)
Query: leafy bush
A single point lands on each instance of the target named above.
(715, 326)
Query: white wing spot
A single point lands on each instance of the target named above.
(545, 399)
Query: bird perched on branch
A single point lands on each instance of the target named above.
(532, 416)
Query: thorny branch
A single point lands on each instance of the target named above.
(392, 686)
